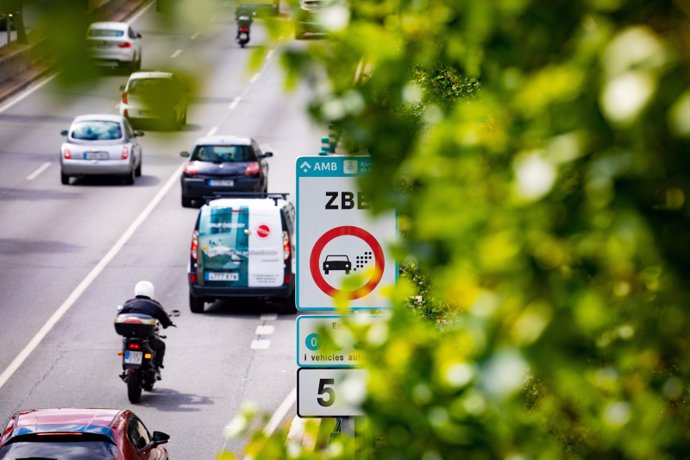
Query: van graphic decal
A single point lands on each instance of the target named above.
(225, 247)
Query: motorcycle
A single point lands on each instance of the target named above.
(138, 356)
(244, 22)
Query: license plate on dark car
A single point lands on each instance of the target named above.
(221, 182)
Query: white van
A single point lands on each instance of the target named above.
(243, 247)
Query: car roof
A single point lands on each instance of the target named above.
(223, 140)
(109, 25)
(252, 203)
(150, 74)
(64, 420)
(98, 117)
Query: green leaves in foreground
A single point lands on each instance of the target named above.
(537, 156)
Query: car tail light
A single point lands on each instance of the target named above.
(66, 154)
(288, 278)
(244, 29)
(192, 278)
(286, 245)
(125, 45)
(190, 169)
(124, 97)
(195, 245)
(134, 346)
(125, 152)
(252, 169)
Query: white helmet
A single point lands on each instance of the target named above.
(144, 288)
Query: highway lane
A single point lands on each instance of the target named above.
(53, 236)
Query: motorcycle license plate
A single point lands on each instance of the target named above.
(134, 357)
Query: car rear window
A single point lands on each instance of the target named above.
(163, 86)
(224, 220)
(96, 130)
(223, 153)
(68, 450)
(106, 33)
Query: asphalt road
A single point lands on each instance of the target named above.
(70, 254)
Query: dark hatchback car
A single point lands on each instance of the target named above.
(223, 164)
(80, 434)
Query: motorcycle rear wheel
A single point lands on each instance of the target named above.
(134, 388)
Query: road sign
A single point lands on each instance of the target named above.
(336, 392)
(337, 237)
(310, 349)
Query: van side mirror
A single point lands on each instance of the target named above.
(138, 35)
(184, 154)
(266, 154)
(122, 87)
(138, 133)
(64, 132)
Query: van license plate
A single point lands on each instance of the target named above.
(221, 183)
(134, 357)
(222, 276)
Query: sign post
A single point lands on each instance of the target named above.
(336, 239)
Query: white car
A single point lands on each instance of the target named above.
(114, 44)
(100, 144)
(154, 97)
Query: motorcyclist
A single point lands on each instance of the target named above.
(143, 303)
(244, 17)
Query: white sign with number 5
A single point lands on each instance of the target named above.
(330, 392)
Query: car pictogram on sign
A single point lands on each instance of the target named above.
(337, 262)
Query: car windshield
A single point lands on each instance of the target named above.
(62, 450)
(106, 33)
(337, 258)
(223, 153)
(94, 130)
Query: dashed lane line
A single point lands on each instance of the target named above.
(38, 171)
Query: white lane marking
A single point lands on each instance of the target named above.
(175, 54)
(88, 280)
(279, 414)
(276, 418)
(195, 36)
(38, 171)
(264, 329)
(255, 77)
(212, 131)
(139, 13)
(269, 54)
(235, 102)
(268, 317)
(260, 344)
(27, 93)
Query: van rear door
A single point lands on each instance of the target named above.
(224, 246)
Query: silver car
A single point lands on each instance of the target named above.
(114, 44)
(100, 145)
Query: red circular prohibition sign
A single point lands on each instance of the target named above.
(347, 230)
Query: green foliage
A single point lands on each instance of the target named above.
(550, 210)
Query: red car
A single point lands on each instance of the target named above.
(80, 434)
